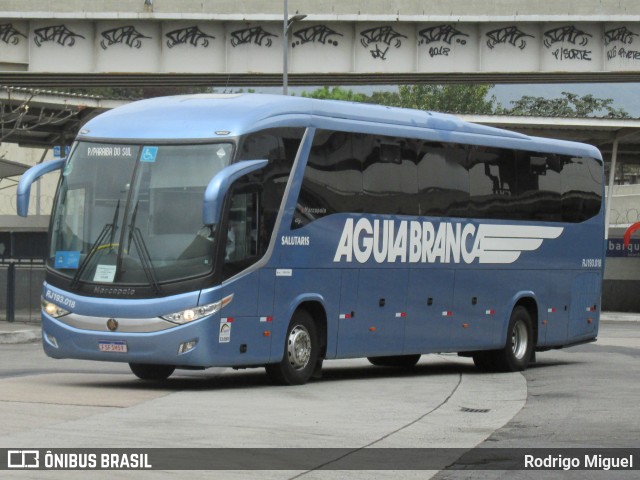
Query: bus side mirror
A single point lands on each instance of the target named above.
(220, 184)
(27, 179)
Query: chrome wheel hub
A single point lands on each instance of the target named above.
(519, 340)
(299, 347)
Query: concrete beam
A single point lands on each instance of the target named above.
(352, 10)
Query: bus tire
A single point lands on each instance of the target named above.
(301, 352)
(397, 361)
(516, 354)
(146, 371)
(485, 361)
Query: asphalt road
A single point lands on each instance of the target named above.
(584, 396)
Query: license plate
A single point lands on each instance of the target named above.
(117, 347)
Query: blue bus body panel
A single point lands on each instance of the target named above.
(200, 116)
(119, 307)
(156, 348)
(450, 305)
(208, 117)
(161, 347)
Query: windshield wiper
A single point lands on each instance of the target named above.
(145, 258)
(132, 225)
(108, 228)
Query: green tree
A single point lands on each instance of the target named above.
(569, 105)
(441, 98)
(454, 98)
(336, 93)
(388, 98)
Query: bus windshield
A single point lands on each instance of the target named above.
(132, 214)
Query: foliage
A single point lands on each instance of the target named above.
(336, 93)
(454, 98)
(391, 99)
(569, 105)
(475, 99)
(443, 98)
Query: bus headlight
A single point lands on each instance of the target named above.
(52, 309)
(195, 313)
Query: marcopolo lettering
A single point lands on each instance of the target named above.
(114, 291)
(445, 242)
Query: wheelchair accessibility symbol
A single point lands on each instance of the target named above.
(149, 154)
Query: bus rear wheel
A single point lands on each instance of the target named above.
(146, 371)
(300, 352)
(397, 361)
(518, 349)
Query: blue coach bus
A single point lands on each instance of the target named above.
(268, 231)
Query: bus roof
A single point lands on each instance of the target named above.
(213, 116)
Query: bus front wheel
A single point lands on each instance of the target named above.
(151, 372)
(300, 352)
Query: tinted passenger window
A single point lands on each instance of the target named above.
(493, 190)
(581, 189)
(539, 186)
(358, 173)
(332, 178)
(443, 180)
(390, 176)
(506, 184)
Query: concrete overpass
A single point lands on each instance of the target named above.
(241, 42)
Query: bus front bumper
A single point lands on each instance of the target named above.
(190, 345)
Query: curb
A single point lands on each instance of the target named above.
(20, 336)
(619, 317)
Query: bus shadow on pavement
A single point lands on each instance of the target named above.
(226, 378)
(218, 378)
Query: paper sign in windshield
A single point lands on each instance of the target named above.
(105, 273)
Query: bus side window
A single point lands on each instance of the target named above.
(581, 189)
(256, 199)
(332, 179)
(492, 175)
(242, 229)
(443, 180)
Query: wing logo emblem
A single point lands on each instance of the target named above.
(505, 243)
